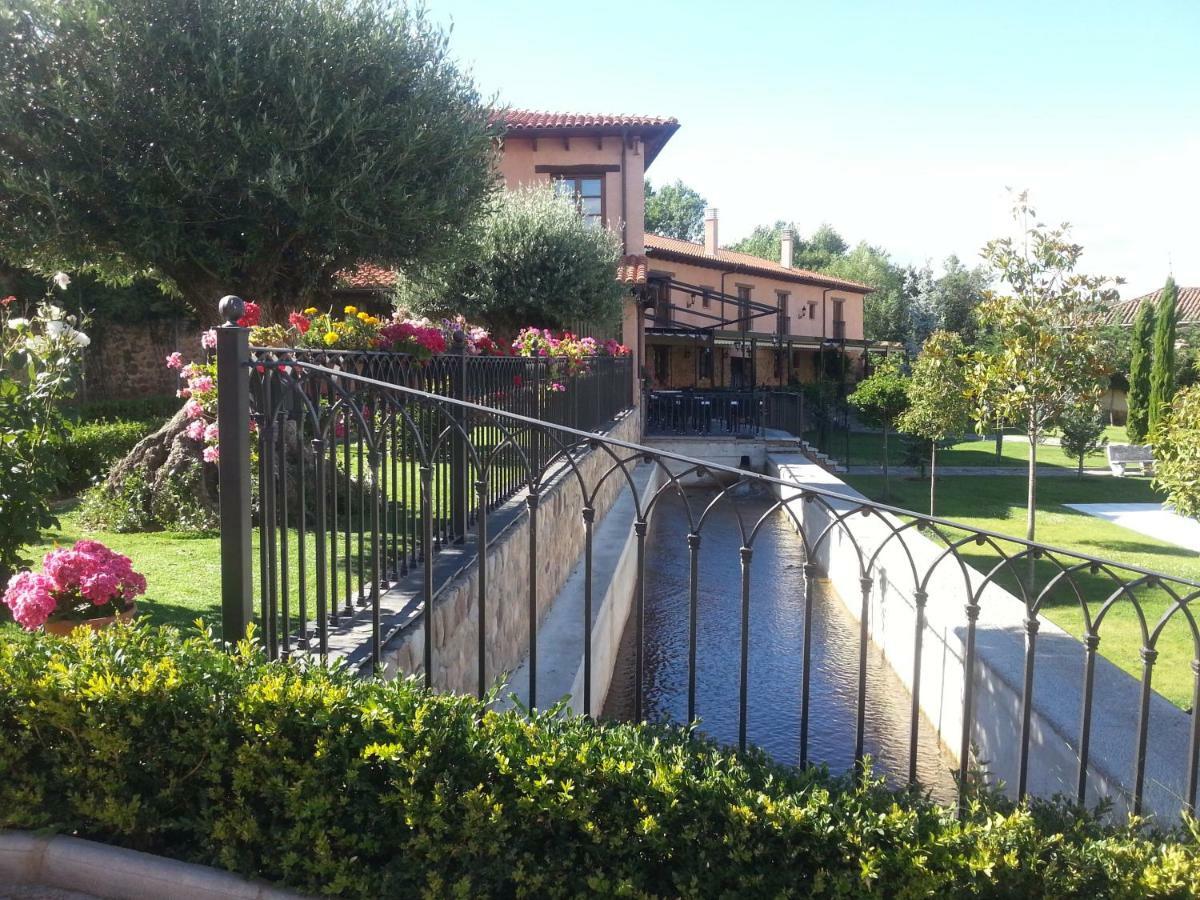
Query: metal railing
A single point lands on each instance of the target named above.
(720, 413)
(347, 500)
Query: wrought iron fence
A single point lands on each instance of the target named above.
(724, 413)
(348, 498)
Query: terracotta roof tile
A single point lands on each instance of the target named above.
(654, 131)
(685, 251)
(1123, 313)
(632, 269)
(367, 277)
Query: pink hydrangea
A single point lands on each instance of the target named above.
(212, 454)
(195, 429)
(193, 409)
(29, 597)
(175, 360)
(208, 340)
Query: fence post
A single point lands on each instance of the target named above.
(459, 493)
(233, 424)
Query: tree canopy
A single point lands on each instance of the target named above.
(1140, 362)
(1177, 453)
(530, 260)
(1162, 370)
(233, 145)
(675, 210)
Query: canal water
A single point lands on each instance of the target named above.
(776, 649)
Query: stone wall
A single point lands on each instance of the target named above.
(126, 361)
(560, 538)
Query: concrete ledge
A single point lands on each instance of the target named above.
(73, 864)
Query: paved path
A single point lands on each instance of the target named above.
(1150, 519)
(913, 471)
(38, 892)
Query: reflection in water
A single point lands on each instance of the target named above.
(776, 648)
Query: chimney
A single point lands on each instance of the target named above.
(710, 231)
(787, 245)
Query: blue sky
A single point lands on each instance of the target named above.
(899, 123)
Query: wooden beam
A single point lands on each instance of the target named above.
(575, 170)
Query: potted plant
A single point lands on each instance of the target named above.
(87, 585)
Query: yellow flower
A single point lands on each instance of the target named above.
(331, 337)
(363, 317)
(351, 310)
(311, 311)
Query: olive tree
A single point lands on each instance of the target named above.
(530, 260)
(1047, 354)
(233, 145)
(1176, 445)
(939, 405)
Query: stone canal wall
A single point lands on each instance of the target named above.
(999, 668)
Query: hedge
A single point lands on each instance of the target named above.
(308, 776)
(155, 408)
(89, 450)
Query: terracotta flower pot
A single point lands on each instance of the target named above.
(66, 626)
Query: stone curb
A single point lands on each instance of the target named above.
(73, 864)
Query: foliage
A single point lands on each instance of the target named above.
(85, 581)
(675, 210)
(134, 505)
(958, 294)
(233, 142)
(40, 356)
(1162, 369)
(880, 399)
(86, 451)
(1046, 355)
(154, 409)
(533, 261)
(1176, 445)
(939, 405)
(816, 252)
(885, 311)
(333, 784)
(1082, 431)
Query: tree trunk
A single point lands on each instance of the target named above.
(999, 439)
(1079, 474)
(1031, 499)
(932, 475)
(887, 492)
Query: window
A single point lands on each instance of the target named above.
(707, 297)
(812, 309)
(662, 365)
(743, 307)
(586, 191)
(839, 318)
(704, 363)
(785, 322)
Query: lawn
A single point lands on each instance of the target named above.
(997, 503)
(866, 449)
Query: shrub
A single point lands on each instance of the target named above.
(310, 776)
(87, 451)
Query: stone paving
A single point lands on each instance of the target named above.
(1150, 519)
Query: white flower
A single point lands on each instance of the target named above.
(62, 279)
(80, 339)
(17, 323)
(55, 328)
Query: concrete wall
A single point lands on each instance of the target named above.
(455, 617)
(1000, 651)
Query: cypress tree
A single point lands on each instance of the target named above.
(1138, 398)
(1162, 373)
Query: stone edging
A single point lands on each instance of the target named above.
(73, 864)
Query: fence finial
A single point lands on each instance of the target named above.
(231, 309)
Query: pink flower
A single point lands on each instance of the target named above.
(195, 429)
(557, 386)
(29, 597)
(208, 340)
(210, 433)
(202, 384)
(175, 360)
(300, 322)
(183, 393)
(193, 409)
(212, 454)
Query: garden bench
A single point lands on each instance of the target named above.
(1124, 456)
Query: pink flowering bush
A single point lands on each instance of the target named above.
(200, 391)
(86, 581)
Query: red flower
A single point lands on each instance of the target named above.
(299, 322)
(252, 315)
(7, 302)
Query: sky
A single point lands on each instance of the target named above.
(900, 123)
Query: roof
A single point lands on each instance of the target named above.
(632, 269)
(1188, 305)
(367, 277)
(653, 130)
(660, 247)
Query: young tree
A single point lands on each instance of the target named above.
(879, 400)
(1082, 430)
(1140, 361)
(1162, 371)
(1176, 445)
(533, 261)
(939, 404)
(233, 145)
(675, 210)
(1047, 355)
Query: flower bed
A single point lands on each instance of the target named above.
(361, 788)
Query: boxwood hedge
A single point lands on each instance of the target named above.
(306, 775)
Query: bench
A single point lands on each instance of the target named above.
(1122, 457)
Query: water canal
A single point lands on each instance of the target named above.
(776, 649)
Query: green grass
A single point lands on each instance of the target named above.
(866, 449)
(997, 503)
